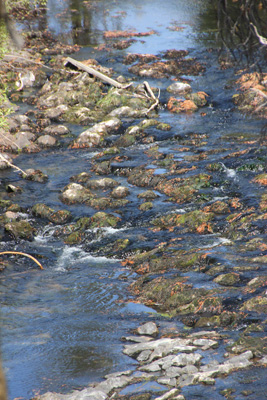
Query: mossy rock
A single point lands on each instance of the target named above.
(42, 210)
(5, 203)
(102, 219)
(208, 321)
(112, 100)
(215, 270)
(121, 244)
(258, 345)
(35, 176)
(111, 151)
(60, 217)
(14, 208)
(57, 217)
(192, 220)
(143, 177)
(215, 167)
(83, 223)
(102, 168)
(257, 303)
(156, 261)
(20, 229)
(177, 297)
(183, 190)
(146, 206)
(147, 123)
(148, 195)
(81, 178)
(125, 140)
(163, 126)
(229, 279)
(74, 238)
(219, 207)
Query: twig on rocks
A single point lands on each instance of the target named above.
(151, 94)
(23, 254)
(12, 165)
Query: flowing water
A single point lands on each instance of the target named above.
(61, 327)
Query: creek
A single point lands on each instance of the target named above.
(61, 327)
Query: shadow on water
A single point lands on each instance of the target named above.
(61, 327)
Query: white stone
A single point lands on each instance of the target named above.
(149, 328)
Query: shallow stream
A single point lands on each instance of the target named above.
(61, 327)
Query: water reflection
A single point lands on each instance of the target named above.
(83, 23)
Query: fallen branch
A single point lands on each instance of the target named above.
(262, 39)
(95, 73)
(23, 254)
(12, 165)
(151, 94)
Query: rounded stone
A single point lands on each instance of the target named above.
(149, 328)
(46, 140)
(120, 192)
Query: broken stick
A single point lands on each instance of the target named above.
(95, 73)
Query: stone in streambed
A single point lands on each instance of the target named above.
(103, 183)
(229, 279)
(197, 220)
(20, 229)
(102, 219)
(75, 193)
(57, 130)
(149, 328)
(256, 303)
(179, 87)
(57, 217)
(146, 206)
(120, 192)
(148, 195)
(46, 141)
(81, 178)
(94, 136)
(35, 175)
